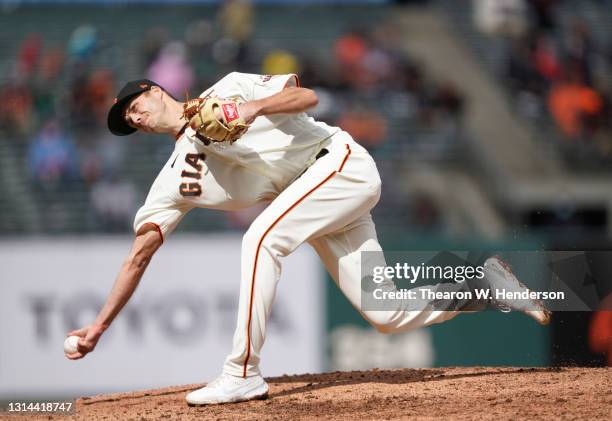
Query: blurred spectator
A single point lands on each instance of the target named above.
(445, 104)
(544, 13)
(425, 213)
(315, 74)
(573, 104)
(78, 102)
(227, 53)
(411, 80)
(600, 331)
(52, 156)
(236, 19)
(91, 92)
(350, 49)
(280, 62)
(504, 17)
(172, 70)
(16, 109)
(367, 127)
(362, 62)
(51, 64)
(520, 70)
(83, 42)
(100, 92)
(377, 65)
(199, 39)
(28, 55)
(46, 84)
(579, 46)
(546, 59)
(105, 156)
(389, 37)
(199, 36)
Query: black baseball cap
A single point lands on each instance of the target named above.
(116, 123)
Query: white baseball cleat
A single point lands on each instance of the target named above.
(500, 277)
(227, 388)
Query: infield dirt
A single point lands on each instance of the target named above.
(466, 393)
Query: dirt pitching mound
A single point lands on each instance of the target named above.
(459, 393)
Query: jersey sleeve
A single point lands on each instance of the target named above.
(160, 210)
(252, 86)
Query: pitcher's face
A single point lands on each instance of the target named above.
(145, 111)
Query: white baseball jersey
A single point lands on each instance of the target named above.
(272, 153)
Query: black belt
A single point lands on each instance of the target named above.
(321, 153)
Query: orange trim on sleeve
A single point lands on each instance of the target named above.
(248, 342)
(161, 235)
(297, 81)
(159, 231)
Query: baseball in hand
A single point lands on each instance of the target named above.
(70, 344)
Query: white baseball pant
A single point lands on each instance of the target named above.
(329, 207)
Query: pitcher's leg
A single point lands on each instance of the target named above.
(323, 200)
(341, 252)
(260, 272)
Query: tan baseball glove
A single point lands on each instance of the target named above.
(216, 119)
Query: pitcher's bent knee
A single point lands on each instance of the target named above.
(271, 240)
(251, 238)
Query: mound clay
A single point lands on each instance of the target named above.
(455, 393)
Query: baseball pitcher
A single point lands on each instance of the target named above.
(245, 140)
